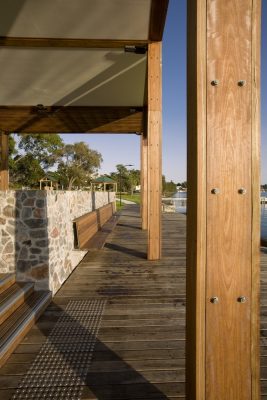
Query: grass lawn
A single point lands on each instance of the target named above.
(135, 197)
(118, 206)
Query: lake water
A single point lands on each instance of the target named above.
(181, 207)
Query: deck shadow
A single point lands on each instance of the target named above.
(126, 250)
(129, 216)
(130, 226)
(108, 376)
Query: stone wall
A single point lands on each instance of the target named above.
(37, 239)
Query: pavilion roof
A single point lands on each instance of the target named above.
(103, 179)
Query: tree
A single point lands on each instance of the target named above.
(34, 154)
(30, 155)
(168, 187)
(12, 152)
(121, 176)
(26, 171)
(44, 147)
(134, 176)
(128, 179)
(78, 162)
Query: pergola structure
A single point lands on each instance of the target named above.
(95, 67)
(88, 67)
(48, 183)
(103, 182)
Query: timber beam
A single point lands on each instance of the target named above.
(223, 234)
(144, 180)
(31, 42)
(157, 19)
(69, 119)
(154, 150)
(4, 175)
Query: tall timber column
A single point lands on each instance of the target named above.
(4, 176)
(154, 141)
(144, 181)
(223, 207)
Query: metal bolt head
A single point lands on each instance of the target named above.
(241, 83)
(215, 82)
(242, 191)
(241, 299)
(215, 191)
(214, 300)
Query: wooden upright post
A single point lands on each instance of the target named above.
(144, 181)
(154, 128)
(4, 176)
(223, 200)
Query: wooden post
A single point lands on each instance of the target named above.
(144, 181)
(154, 128)
(223, 200)
(4, 176)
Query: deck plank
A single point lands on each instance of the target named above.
(140, 348)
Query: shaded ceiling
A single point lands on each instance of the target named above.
(76, 77)
(68, 75)
(93, 19)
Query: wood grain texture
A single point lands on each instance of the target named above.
(229, 214)
(231, 350)
(87, 225)
(158, 15)
(154, 137)
(255, 134)
(6, 280)
(71, 119)
(20, 322)
(140, 348)
(4, 174)
(144, 181)
(196, 206)
(8, 41)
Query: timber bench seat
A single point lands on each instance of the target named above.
(92, 229)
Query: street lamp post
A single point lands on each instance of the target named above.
(120, 177)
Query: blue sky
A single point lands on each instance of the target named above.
(125, 149)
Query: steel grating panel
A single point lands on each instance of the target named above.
(59, 371)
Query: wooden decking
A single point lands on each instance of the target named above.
(139, 350)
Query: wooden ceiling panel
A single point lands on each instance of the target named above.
(71, 120)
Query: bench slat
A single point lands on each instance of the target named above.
(99, 239)
(87, 226)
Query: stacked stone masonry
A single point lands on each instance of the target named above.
(37, 238)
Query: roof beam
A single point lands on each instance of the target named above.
(59, 119)
(7, 41)
(158, 15)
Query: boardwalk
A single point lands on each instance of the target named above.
(136, 335)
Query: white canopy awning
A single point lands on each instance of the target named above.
(67, 53)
